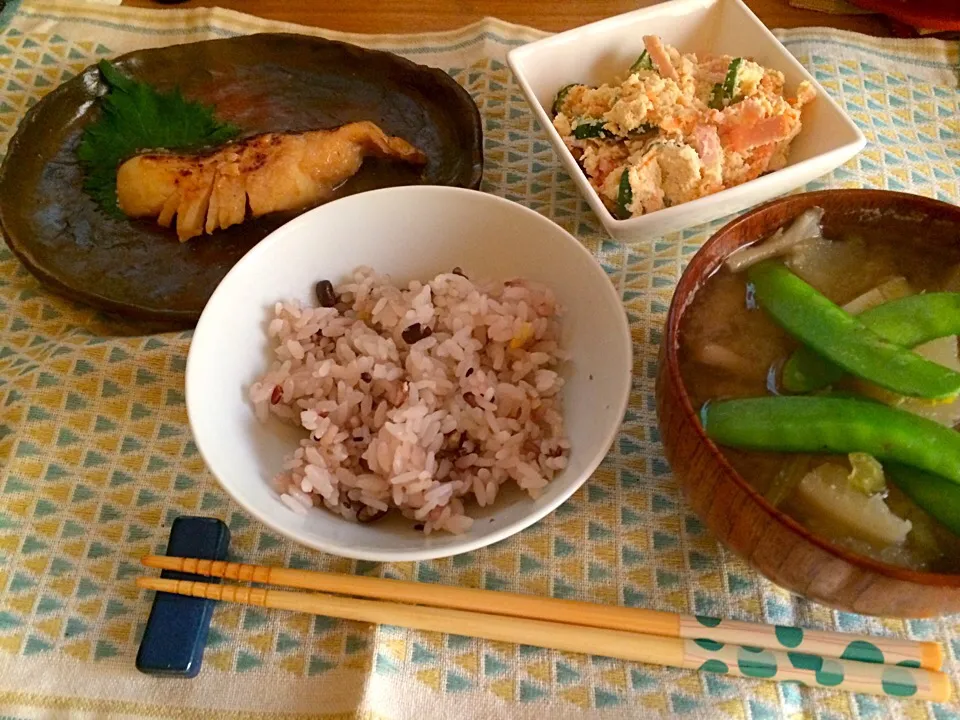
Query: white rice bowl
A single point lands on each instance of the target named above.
(542, 421)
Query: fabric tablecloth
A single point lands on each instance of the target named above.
(96, 457)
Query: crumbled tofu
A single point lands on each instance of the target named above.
(629, 113)
(591, 102)
(772, 83)
(647, 186)
(644, 183)
(805, 93)
(562, 123)
(749, 77)
(734, 168)
(601, 158)
(642, 102)
(687, 70)
(779, 158)
(680, 172)
(609, 189)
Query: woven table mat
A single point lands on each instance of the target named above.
(96, 457)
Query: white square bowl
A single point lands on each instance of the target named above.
(599, 52)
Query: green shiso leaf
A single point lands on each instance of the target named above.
(135, 117)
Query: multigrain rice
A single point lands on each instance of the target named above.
(421, 399)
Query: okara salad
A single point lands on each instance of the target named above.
(678, 127)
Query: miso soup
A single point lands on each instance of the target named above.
(732, 347)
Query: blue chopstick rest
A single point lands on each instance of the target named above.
(176, 631)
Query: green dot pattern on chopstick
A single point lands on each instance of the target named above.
(898, 682)
(830, 673)
(715, 666)
(786, 639)
(827, 671)
(756, 663)
(863, 651)
(708, 644)
(789, 636)
(805, 661)
(808, 668)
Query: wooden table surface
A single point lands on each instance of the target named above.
(409, 16)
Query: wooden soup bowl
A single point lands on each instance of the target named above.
(772, 542)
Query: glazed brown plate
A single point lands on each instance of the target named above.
(262, 83)
(772, 542)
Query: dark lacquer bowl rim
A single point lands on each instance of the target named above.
(705, 263)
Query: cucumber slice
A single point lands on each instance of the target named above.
(644, 62)
(561, 96)
(587, 129)
(624, 195)
(642, 130)
(724, 93)
(732, 78)
(716, 98)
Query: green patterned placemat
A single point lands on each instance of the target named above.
(96, 457)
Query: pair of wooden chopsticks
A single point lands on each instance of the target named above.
(880, 666)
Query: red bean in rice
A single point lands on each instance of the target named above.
(428, 426)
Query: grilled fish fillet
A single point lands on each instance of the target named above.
(267, 173)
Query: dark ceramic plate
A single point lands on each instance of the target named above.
(268, 82)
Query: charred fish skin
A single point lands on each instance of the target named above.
(266, 173)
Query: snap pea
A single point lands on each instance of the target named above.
(644, 62)
(908, 322)
(845, 340)
(591, 129)
(561, 96)
(935, 495)
(834, 425)
(624, 195)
